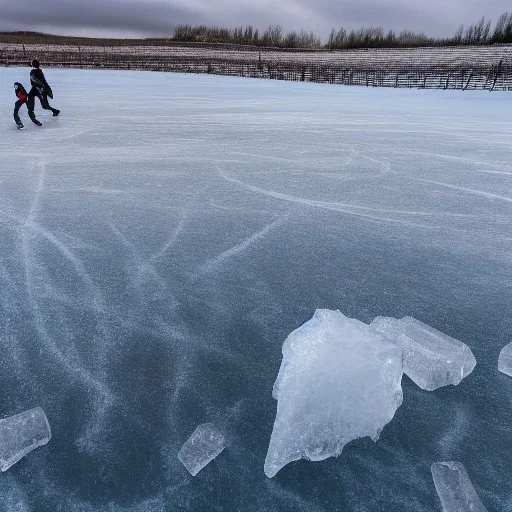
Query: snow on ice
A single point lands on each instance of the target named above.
(339, 380)
(22, 433)
(201, 448)
(431, 359)
(455, 489)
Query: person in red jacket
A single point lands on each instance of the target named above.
(22, 96)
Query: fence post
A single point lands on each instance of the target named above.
(469, 80)
(498, 72)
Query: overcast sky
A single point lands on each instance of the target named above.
(147, 18)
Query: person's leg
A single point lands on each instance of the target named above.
(46, 105)
(30, 100)
(17, 106)
(30, 105)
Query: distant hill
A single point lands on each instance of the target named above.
(41, 38)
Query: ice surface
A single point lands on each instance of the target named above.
(161, 236)
(22, 433)
(455, 489)
(431, 359)
(339, 380)
(505, 360)
(201, 448)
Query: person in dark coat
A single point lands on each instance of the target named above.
(41, 89)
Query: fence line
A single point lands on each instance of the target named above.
(451, 74)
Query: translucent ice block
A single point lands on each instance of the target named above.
(431, 359)
(22, 433)
(201, 448)
(339, 380)
(455, 489)
(505, 360)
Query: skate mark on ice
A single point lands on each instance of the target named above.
(73, 135)
(491, 172)
(71, 364)
(92, 190)
(13, 349)
(75, 367)
(34, 207)
(488, 195)
(36, 229)
(461, 159)
(237, 208)
(339, 207)
(184, 368)
(216, 262)
(188, 349)
(269, 157)
(186, 346)
(142, 271)
(385, 165)
(177, 231)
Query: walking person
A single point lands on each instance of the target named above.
(41, 89)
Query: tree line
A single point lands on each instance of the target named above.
(272, 36)
(481, 33)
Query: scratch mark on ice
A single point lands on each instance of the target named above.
(214, 263)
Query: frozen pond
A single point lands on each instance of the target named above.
(162, 237)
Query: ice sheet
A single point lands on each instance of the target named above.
(165, 233)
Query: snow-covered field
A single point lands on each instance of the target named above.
(162, 237)
(450, 57)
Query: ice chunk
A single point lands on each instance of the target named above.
(505, 360)
(455, 489)
(431, 359)
(339, 380)
(201, 448)
(22, 433)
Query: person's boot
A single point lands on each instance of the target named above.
(18, 121)
(33, 119)
(56, 112)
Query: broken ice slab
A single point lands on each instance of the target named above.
(339, 380)
(22, 433)
(455, 489)
(431, 359)
(505, 360)
(201, 448)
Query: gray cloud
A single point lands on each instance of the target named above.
(159, 17)
(131, 17)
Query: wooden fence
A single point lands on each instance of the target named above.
(417, 72)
